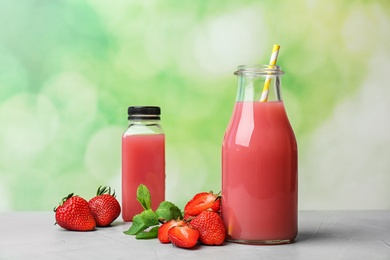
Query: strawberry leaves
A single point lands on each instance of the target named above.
(148, 218)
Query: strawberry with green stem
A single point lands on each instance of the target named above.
(73, 213)
(104, 206)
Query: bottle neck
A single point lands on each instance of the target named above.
(259, 83)
(144, 127)
(259, 89)
(143, 122)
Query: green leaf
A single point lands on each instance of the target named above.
(137, 226)
(152, 233)
(143, 196)
(142, 221)
(167, 211)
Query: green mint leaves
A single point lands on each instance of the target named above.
(150, 219)
(152, 233)
(167, 211)
(142, 221)
(143, 197)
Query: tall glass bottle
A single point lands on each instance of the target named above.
(143, 159)
(259, 163)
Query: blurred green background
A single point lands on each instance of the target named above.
(69, 69)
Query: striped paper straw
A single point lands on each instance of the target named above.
(272, 61)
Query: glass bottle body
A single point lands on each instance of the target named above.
(143, 162)
(259, 163)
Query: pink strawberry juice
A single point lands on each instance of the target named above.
(143, 162)
(259, 174)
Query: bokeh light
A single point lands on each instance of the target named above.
(70, 69)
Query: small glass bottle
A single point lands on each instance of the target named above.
(259, 163)
(143, 159)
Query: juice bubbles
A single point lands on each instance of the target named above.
(143, 160)
(259, 170)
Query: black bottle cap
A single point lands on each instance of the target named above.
(144, 112)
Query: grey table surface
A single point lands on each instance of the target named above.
(322, 235)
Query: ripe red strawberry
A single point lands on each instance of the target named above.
(183, 236)
(211, 228)
(73, 213)
(104, 206)
(201, 202)
(164, 228)
(188, 218)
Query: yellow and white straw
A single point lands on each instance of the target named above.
(272, 62)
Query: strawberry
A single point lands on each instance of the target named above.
(211, 228)
(73, 213)
(164, 228)
(201, 202)
(188, 218)
(104, 207)
(183, 236)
